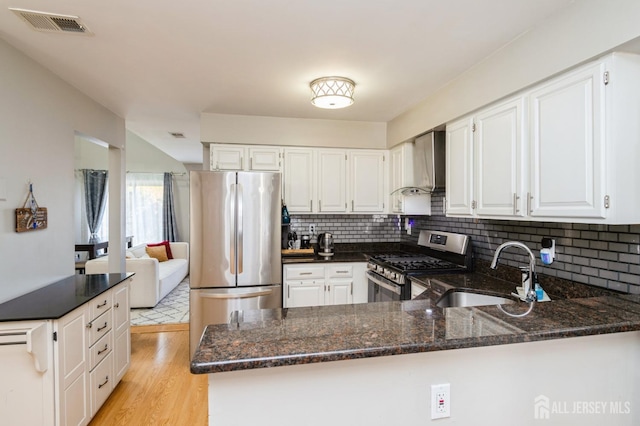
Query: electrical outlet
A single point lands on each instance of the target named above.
(440, 401)
(312, 229)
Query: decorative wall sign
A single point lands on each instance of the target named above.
(31, 217)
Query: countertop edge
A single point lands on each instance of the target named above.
(463, 343)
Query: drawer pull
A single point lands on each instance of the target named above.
(103, 327)
(106, 380)
(342, 272)
(106, 347)
(305, 273)
(102, 305)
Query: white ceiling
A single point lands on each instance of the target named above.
(160, 63)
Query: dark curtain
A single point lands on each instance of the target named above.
(95, 196)
(169, 225)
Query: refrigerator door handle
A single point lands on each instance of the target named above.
(236, 295)
(232, 238)
(239, 220)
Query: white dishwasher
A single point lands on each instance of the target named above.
(26, 368)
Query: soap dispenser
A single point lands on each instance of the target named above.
(548, 251)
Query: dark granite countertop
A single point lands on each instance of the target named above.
(280, 337)
(337, 257)
(57, 299)
(348, 252)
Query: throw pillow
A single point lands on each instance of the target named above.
(158, 252)
(166, 245)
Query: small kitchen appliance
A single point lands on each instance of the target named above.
(437, 253)
(305, 242)
(325, 244)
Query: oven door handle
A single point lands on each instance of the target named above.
(378, 280)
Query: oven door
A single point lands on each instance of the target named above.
(382, 289)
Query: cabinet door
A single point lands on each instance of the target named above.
(122, 345)
(360, 283)
(459, 152)
(499, 160)
(567, 146)
(339, 292)
(367, 181)
(72, 371)
(397, 170)
(264, 158)
(226, 157)
(332, 181)
(298, 180)
(304, 293)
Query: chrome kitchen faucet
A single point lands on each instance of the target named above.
(530, 278)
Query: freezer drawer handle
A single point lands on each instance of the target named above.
(236, 296)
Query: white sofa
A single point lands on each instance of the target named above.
(153, 280)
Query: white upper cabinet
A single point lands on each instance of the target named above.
(265, 158)
(396, 174)
(459, 152)
(367, 181)
(332, 178)
(299, 185)
(568, 145)
(226, 157)
(564, 151)
(243, 157)
(402, 175)
(500, 171)
(323, 180)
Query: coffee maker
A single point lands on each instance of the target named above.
(325, 244)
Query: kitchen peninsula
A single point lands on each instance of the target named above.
(499, 367)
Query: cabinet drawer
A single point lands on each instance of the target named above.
(304, 272)
(101, 304)
(100, 326)
(101, 349)
(101, 383)
(339, 271)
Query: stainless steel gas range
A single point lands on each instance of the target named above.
(437, 253)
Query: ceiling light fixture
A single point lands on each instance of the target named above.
(332, 92)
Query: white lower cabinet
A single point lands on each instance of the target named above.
(310, 284)
(92, 352)
(122, 331)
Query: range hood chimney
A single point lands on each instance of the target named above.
(428, 165)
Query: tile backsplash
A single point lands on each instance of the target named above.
(601, 255)
(605, 256)
(360, 228)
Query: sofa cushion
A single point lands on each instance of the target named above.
(138, 251)
(158, 252)
(166, 244)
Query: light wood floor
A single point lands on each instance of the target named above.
(158, 389)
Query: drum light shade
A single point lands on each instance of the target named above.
(332, 92)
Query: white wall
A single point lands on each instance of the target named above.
(39, 115)
(584, 30)
(243, 129)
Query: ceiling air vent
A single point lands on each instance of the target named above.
(51, 22)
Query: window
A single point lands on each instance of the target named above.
(144, 206)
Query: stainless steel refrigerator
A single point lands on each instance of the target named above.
(235, 246)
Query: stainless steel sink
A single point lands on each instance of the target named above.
(456, 298)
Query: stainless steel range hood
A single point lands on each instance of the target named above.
(428, 165)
